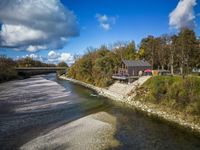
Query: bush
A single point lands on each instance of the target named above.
(7, 69)
(175, 92)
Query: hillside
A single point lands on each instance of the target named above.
(173, 94)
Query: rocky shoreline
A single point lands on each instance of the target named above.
(150, 109)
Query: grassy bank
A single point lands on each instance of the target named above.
(173, 94)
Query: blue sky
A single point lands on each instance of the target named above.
(106, 22)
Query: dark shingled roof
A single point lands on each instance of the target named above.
(136, 63)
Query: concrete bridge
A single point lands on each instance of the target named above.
(40, 68)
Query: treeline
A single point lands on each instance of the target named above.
(30, 62)
(178, 53)
(7, 69)
(8, 65)
(97, 65)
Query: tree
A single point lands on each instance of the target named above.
(125, 51)
(163, 51)
(148, 46)
(173, 48)
(7, 68)
(197, 57)
(95, 67)
(62, 64)
(130, 51)
(187, 46)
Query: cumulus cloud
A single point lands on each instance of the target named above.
(33, 56)
(32, 48)
(105, 26)
(183, 15)
(36, 24)
(105, 22)
(55, 57)
(66, 57)
(52, 55)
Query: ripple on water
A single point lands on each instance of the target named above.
(34, 94)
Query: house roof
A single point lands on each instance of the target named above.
(136, 63)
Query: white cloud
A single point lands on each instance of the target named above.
(36, 24)
(32, 48)
(102, 18)
(55, 57)
(66, 57)
(52, 55)
(183, 15)
(36, 57)
(33, 56)
(105, 26)
(105, 22)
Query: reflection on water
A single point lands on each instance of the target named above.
(138, 131)
(33, 107)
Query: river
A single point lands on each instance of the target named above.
(44, 112)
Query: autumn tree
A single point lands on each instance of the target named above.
(62, 64)
(148, 48)
(125, 51)
(187, 50)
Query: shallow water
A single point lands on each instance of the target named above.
(34, 107)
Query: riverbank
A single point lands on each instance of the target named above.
(150, 109)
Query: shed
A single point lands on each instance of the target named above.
(133, 67)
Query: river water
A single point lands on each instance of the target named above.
(35, 108)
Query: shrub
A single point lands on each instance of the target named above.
(175, 92)
(7, 69)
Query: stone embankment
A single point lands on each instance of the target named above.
(117, 91)
(126, 93)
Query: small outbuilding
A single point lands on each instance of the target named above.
(131, 69)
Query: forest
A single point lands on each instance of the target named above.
(179, 53)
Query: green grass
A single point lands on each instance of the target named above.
(174, 92)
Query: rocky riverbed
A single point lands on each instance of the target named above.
(91, 132)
